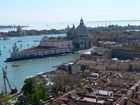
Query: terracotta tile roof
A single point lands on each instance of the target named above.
(55, 39)
(118, 83)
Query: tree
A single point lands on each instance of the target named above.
(34, 92)
(29, 86)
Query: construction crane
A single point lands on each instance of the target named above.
(6, 81)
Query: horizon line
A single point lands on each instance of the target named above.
(133, 20)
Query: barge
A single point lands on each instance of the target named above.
(48, 47)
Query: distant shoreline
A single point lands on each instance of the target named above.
(19, 32)
(31, 32)
(10, 26)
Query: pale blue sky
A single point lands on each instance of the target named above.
(36, 11)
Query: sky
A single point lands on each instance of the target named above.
(39, 11)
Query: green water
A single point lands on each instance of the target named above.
(27, 68)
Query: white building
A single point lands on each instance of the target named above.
(59, 42)
(47, 47)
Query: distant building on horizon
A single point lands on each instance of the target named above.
(79, 36)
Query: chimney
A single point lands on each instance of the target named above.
(136, 95)
(133, 93)
(96, 99)
(111, 95)
(125, 101)
(137, 88)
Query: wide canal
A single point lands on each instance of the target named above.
(19, 70)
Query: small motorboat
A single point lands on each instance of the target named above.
(19, 41)
(15, 65)
(54, 66)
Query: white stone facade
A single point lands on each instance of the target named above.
(59, 42)
(47, 47)
(35, 52)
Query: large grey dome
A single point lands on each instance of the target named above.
(81, 30)
(80, 37)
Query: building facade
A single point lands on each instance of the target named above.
(59, 42)
(80, 36)
(47, 47)
(122, 53)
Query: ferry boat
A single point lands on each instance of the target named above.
(47, 47)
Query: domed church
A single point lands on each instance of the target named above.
(79, 36)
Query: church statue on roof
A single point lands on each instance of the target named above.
(80, 36)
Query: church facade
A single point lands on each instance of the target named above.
(79, 36)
